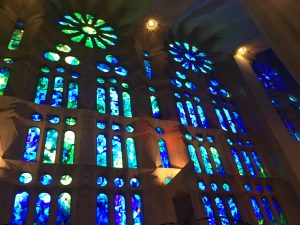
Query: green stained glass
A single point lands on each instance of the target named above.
(72, 95)
(63, 48)
(108, 41)
(79, 17)
(71, 121)
(78, 38)
(125, 85)
(70, 31)
(8, 60)
(71, 60)
(45, 69)
(99, 23)
(127, 104)
(41, 92)
(66, 180)
(15, 40)
(50, 146)
(101, 105)
(100, 80)
(89, 30)
(90, 19)
(131, 153)
(4, 75)
(89, 42)
(100, 44)
(68, 148)
(52, 56)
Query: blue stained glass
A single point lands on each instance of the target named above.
(279, 212)
(248, 188)
(101, 150)
(214, 187)
(214, 83)
(222, 211)
(240, 122)
(188, 136)
(210, 139)
(120, 210)
(103, 67)
(75, 75)
(111, 59)
(213, 91)
(50, 146)
(101, 181)
(229, 141)
(119, 182)
(42, 89)
(258, 164)
(155, 107)
(116, 127)
(102, 209)
(248, 163)
(199, 137)
(54, 119)
(114, 101)
(134, 182)
(129, 129)
(268, 210)
(201, 185)
(57, 94)
(192, 114)
(164, 156)
(159, 130)
(194, 158)
(229, 119)
(234, 210)
(117, 152)
(131, 153)
(136, 206)
(25, 178)
(46, 179)
(168, 180)
(238, 162)
(269, 188)
(72, 96)
(36, 117)
(202, 116)
(42, 209)
(127, 104)
(197, 99)
(259, 189)
(20, 208)
(101, 105)
(177, 95)
(148, 68)
(182, 114)
(101, 125)
(176, 83)
(217, 160)
(121, 71)
(32, 144)
(206, 161)
(60, 69)
(190, 86)
(209, 211)
(224, 93)
(226, 187)
(113, 80)
(180, 75)
(4, 76)
(63, 209)
(221, 119)
(68, 147)
(257, 212)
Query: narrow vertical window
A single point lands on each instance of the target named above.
(72, 96)
(205, 158)
(182, 114)
(258, 164)
(217, 160)
(238, 162)
(229, 119)
(120, 210)
(155, 107)
(136, 206)
(240, 122)
(42, 209)
(147, 65)
(32, 144)
(194, 158)
(101, 105)
(20, 208)
(4, 75)
(222, 211)
(257, 212)
(41, 92)
(117, 152)
(127, 104)
(50, 146)
(221, 119)
(234, 210)
(101, 150)
(248, 163)
(209, 210)
(58, 89)
(131, 153)
(68, 148)
(114, 102)
(15, 40)
(279, 212)
(192, 114)
(202, 116)
(164, 156)
(63, 209)
(102, 209)
(268, 210)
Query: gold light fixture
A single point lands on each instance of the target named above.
(151, 24)
(241, 51)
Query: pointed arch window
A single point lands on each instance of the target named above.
(120, 210)
(209, 210)
(217, 160)
(63, 209)
(42, 209)
(16, 39)
(238, 162)
(57, 94)
(20, 208)
(127, 104)
(117, 152)
(68, 147)
(101, 100)
(192, 114)
(147, 65)
(131, 153)
(102, 209)
(101, 150)
(41, 92)
(206, 161)
(182, 114)
(114, 101)
(194, 158)
(257, 211)
(50, 146)
(136, 206)
(72, 96)
(164, 156)
(155, 107)
(268, 211)
(32, 144)
(248, 163)
(221, 119)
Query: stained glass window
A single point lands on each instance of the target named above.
(240, 122)
(248, 163)
(221, 119)
(25, 178)
(164, 156)
(192, 114)
(238, 162)
(209, 210)
(120, 210)
(63, 209)
(202, 116)
(20, 209)
(234, 210)
(101, 105)
(41, 92)
(101, 150)
(206, 161)
(222, 211)
(147, 65)
(50, 146)
(182, 114)
(102, 209)
(155, 107)
(229, 119)
(131, 153)
(194, 158)
(258, 164)
(46, 179)
(117, 152)
(68, 148)
(136, 206)
(4, 75)
(217, 160)
(32, 144)
(57, 94)
(280, 213)
(42, 209)
(268, 210)
(126, 104)
(114, 101)
(72, 96)
(257, 211)
(15, 40)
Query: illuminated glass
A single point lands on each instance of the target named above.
(279, 212)
(46, 179)
(268, 211)
(209, 211)
(248, 188)
(103, 67)
(120, 210)
(202, 116)
(32, 144)
(63, 209)
(238, 162)
(121, 71)
(71, 60)
(194, 158)
(52, 56)
(68, 148)
(45, 69)
(66, 180)
(8, 60)
(25, 178)
(129, 129)
(117, 152)
(116, 127)
(4, 75)
(217, 160)
(226, 187)
(136, 206)
(206, 161)
(114, 101)
(57, 94)
(201, 185)
(214, 187)
(54, 119)
(222, 211)
(180, 75)
(102, 181)
(168, 180)
(42, 89)
(131, 153)
(155, 107)
(101, 106)
(258, 164)
(119, 182)
(71, 121)
(15, 40)
(248, 163)
(101, 125)
(102, 209)
(164, 156)
(188, 136)
(63, 48)
(192, 114)
(182, 115)
(135, 183)
(101, 150)
(20, 208)
(221, 119)
(42, 209)
(72, 96)
(240, 122)
(126, 104)
(147, 66)
(36, 117)
(234, 210)
(229, 119)
(50, 146)
(257, 212)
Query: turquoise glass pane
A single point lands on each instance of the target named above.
(238, 162)
(20, 208)
(32, 144)
(63, 209)
(117, 152)
(68, 148)
(4, 75)
(209, 210)
(46, 179)
(119, 182)
(248, 163)
(268, 211)
(57, 94)
(114, 102)
(217, 160)
(192, 114)
(230, 121)
(258, 164)
(257, 212)
(222, 211)
(234, 210)
(182, 114)
(102, 181)
(25, 178)
(50, 146)
(206, 161)
(126, 104)
(221, 119)
(194, 158)
(102, 209)
(101, 105)
(240, 122)
(72, 96)
(15, 40)
(42, 209)
(164, 156)
(135, 183)
(120, 210)
(155, 107)
(131, 153)
(41, 92)
(101, 150)
(280, 213)
(202, 116)
(136, 206)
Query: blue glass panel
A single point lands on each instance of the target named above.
(101, 125)
(248, 187)
(50, 146)
(238, 162)
(63, 209)
(229, 119)
(42, 209)
(190, 86)
(101, 105)
(129, 129)
(101, 150)
(206, 161)
(221, 119)
(248, 163)
(102, 209)
(116, 127)
(54, 119)
(111, 59)
(120, 210)
(114, 101)
(234, 210)
(136, 206)
(101, 181)
(214, 187)
(57, 94)
(36, 117)
(41, 92)
(176, 83)
(217, 160)
(117, 152)
(103, 67)
(134, 182)
(164, 156)
(46, 179)
(121, 71)
(127, 104)
(240, 122)
(192, 114)
(268, 210)
(72, 96)
(222, 211)
(4, 75)
(155, 107)
(209, 211)
(148, 68)
(202, 116)
(280, 213)
(32, 144)
(25, 178)
(20, 209)
(182, 114)
(259, 189)
(180, 75)
(159, 130)
(257, 212)
(131, 153)
(119, 182)
(226, 187)
(201, 185)
(258, 164)
(194, 158)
